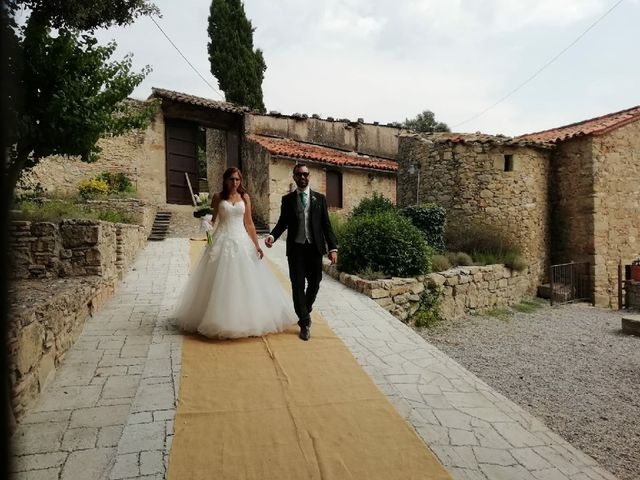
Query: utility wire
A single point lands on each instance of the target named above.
(541, 68)
(186, 60)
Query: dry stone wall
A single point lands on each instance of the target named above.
(63, 272)
(616, 207)
(46, 319)
(140, 154)
(462, 290)
(76, 247)
(471, 182)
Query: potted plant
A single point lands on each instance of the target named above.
(635, 270)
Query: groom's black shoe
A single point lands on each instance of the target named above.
(305, 333)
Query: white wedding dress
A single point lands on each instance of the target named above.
(231, 292)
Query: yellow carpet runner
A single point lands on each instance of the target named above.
(277, 408)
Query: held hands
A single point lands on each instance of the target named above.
(268, 241)
(333, 257)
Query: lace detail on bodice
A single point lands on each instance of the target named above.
(231, 218)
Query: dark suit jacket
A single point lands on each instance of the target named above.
(321, 231)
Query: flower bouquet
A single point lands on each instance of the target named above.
(204, 213)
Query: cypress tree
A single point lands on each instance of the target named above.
(234, 62)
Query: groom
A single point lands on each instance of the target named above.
(304, 214)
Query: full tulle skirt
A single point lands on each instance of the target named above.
(233, 294)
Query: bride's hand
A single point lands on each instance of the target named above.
(260, 252)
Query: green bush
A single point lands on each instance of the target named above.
(428, 312)
(385, 242)
(116, 216)
(373, 205)
(430, 219)
(459, 259)
(487, 245)
(93, 187)
(58, 209)
(440, 263)
(117, 182)
(338, 221)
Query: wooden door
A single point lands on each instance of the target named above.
(334, 189)
(182, 156)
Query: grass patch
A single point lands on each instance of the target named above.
(58, 209)
(528, 306)
(501, 313)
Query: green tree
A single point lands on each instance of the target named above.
(425, 122)
(65, 92)
(59, 93)
(234, 62)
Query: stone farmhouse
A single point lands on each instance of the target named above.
(569, 194)
(200, 137)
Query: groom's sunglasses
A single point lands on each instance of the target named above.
(301, 174)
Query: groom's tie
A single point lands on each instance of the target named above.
(303, 199)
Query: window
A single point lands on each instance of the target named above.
(334, 189)
(508, 163)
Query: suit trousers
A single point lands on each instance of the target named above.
(305, 266)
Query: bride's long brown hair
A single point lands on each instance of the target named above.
(225, 190)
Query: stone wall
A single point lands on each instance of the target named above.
(255, 172)
(571, 195)
(45, 323)
(78, 247)
(463, 290)
(216, 158)
(632, 289)
(139, 154)
(368, 139)
(63, 272)
(356, 184)
(616, 209)
(470, 181)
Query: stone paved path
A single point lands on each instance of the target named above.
(108, 413)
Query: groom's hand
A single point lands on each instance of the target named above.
(333, 257)
(269, 241)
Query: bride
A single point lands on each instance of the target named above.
(232, 293)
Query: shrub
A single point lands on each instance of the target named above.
(459, 259)
(440, 263)
(338, 222)
(50, 211)
(369, 274)
(93, 187)
(515, 262)
(476, 237)
(373, 205)
(116, 216)
(385, 242)
(487, 245)
(117, 182)
(430, 219)
(428, 312)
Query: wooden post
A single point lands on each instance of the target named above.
(186, 175)
(551, 284)
(620, 290)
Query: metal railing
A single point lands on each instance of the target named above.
(571, 282)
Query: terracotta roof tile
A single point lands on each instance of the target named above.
(290, 148)
(593, 126)
(199, 101)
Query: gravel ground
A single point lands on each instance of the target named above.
(569, 366)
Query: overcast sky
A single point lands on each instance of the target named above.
(385, 60)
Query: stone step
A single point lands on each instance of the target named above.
(631, 324)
